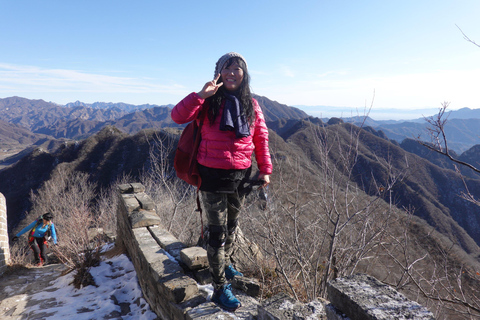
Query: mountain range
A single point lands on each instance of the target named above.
(108, 142)
(33, 125)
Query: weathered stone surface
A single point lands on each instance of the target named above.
(137, 187)
(332, 313)
(203, 276)
(283, 307)
(248, 285)
(125, 188)
(362, 297)
(179, 310)
(249, 308)
(145, 201)
(194, 258)
(167, 241)
(160, 265)
(143, 218)
(207, 311)
(130, 202)
(163, 267)
(179, 288)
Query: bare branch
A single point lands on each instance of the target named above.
(467, 38)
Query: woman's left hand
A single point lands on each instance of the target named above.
(210, 88)
(266, 178)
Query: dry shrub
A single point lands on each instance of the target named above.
(70, 197)
(175, 200)
(19, 254)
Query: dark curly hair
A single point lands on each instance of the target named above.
(244, 94)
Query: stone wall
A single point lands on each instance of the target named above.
(173, 278)
(4, 248)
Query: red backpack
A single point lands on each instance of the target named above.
(185, 162)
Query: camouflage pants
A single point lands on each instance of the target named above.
(222, 212)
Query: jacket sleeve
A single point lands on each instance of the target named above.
(260, 140)
(26, 229)
(187, 109)
(54, 233)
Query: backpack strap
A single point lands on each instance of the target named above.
(30, 236)
(199, 209)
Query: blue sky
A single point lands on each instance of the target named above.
(353, 54)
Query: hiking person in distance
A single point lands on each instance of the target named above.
(40, 232)
(233, 129)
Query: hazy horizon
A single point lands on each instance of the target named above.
(375, 114)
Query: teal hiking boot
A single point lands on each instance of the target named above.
(230, 272)
(225, 299)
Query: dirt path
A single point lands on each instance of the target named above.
(18, 286)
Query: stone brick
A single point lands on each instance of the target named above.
(163, 267)
(179, 288)
(125, 188)
(137, 187)
(362, 297)
(145, 201)
(248, 285)
(194, 258)
(131, 203)
(167, 241)
(143, 218)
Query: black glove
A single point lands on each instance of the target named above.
(15, 239)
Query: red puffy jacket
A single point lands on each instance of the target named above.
(222, 149)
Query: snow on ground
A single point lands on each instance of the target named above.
(117, 289)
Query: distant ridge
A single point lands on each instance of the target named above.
(78, 120)
(275, 111)
(109, 105)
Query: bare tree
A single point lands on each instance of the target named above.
(439, 143)
(321, 226)
(433, 277)
(174, 198)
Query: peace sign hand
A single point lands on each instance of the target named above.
(210, 88)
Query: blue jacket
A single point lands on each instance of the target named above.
(40, 230)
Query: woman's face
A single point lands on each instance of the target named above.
(232, 76)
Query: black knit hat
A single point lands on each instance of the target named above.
(47, 216)
(224, 58)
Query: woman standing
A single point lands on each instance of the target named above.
(40, 230)
(234, 128)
